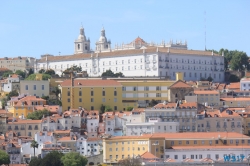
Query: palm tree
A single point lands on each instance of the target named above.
(34, 145)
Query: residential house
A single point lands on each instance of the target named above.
(208, 98)
(38, 88)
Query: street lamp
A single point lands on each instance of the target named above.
(155, 144)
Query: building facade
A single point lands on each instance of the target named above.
(17, 63)
(138, 59)
(35, 88)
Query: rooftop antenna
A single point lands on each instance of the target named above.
(205, 30)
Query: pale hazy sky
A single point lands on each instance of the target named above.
(33, 28)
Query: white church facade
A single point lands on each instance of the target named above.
(138, 59)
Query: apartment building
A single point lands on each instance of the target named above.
(22, 105)
(214, 120)
(4, 115)
(245, 84)
(24, 127)
(177, 146)
(235, 102)
(208, 98)
(184, 113)
(35, 88)
(17, 63)
(91, 94)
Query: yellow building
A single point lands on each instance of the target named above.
(22, 106)
(118, 148)
(91, 94)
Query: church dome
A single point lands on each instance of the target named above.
(103, 37)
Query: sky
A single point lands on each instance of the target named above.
(33, 28)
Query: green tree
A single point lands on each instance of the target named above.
(56, 91)
(153, 103)
(20, 73)
(54, 102)
(4, 102)
(210, 79)
(11, 94)
(73, 68)
(239, 61)
(234, 78)
(45, 97)
(102, 109)
(7, 73)
(46, 76)
(109, 73)
(38, 115)
(4, 158)
(31, 77)
(50, 72)
(108, 108)
(34, 145)
(41, 71)
(35, 161)
(52, 159)
(31, 71)
(74, 159)
(130, 108)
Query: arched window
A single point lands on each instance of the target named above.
(78, 46)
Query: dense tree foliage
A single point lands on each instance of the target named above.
(11, 94)
(73, 68)
(35, 161)
(153, 103)
(41, 71)
(130, 162)
(234, 78)
(38, 115)
(4, 102)
(109, 73)
(33, 77)
(7, 73)
(130, 108)
(52, 159)
(74, 159)
(50, 72)
(20, 73)
(108, 108)
(210, 79)
(4, 158)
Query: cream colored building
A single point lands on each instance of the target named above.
(18, 63)
(35, 88)
(209, 98)
(235, 102)
(25, 127)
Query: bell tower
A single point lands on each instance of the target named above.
(102, 44)
(82, 45)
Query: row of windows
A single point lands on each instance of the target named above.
(210, 142)
(146, 88)
(34, 87)
(92, 93)
(122, 149)
(194, 61)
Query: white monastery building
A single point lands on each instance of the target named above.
(137, 59)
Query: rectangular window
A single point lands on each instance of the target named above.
(92, 93)
(68, 99)
(80, 99)
(92, 107)
(26, 87)
(115, 99)
(103, 100)
(195, 142)
(103, 93)
(115, 108)
(92, 100)
(34, 87)
(176, 157)
(42, 87)
(68, 93)
(80, 93)
(115, 93)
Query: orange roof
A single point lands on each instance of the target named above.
(65, 139)
(174, 105)
(225, 113)
(51, 108)
(139, 40)
(180, 84)
(198, 92)
(62, 131)
(22, 121)
(235, 85)
(187, 135)
(91, 83)
(169, 160)
(245, 79)
(148, 155)
(94, 139)
(235, 99)
(14, 76)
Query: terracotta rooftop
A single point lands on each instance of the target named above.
(198, 92)
(235, 99)
(235, 85)
(148, 155)
(22, 121)
(174, 105)
(91, 83)
(180, 84)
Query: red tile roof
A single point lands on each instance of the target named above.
(180, 84)
(235, 85)
(198, 92)
(148, 155)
